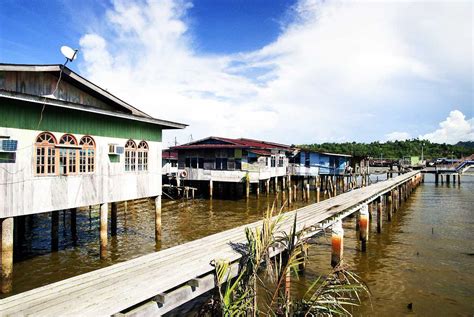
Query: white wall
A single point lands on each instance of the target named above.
(22, 193)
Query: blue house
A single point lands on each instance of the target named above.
(312, 163)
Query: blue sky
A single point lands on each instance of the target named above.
(288, 71)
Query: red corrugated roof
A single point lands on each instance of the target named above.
(233, 144)
(168, 154)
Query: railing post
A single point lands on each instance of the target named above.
(364, 226)
(337, 243)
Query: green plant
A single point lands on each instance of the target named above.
(261, 286)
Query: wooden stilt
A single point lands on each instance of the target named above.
(389, 206)
(290, 195)
(307, 193)
(247, 186)
(54, 230)
(337, 243)
(379, 215)
(6, 274)
(211, 185)
(74, 224)
(158, 218)
(317, 194)
(113, 219)
(267, 186)
(104, 210)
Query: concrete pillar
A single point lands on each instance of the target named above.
(104, 210)
(276, 184)
(337, 243)
(158, 218)
(283, 183)
(211, 185)
(379, 215)
(364, 227)
(317, 194)
(113, 219)
(54, 230)
(6, 277)
(295, 194)
(74, 225)
(267, 186)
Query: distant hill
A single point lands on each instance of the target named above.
(466, 144)
(397, 149)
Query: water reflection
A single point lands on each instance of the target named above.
(424, 256)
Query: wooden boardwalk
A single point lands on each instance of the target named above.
(163, 280)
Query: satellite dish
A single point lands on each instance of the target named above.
(69, 53)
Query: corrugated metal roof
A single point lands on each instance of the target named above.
(169, 155)
(85, 84)
(68, 105)
(233, 144)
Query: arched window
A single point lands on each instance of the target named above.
(130, 155)
(143, 156)
(68, 155)
(87, 155)
(45, 154)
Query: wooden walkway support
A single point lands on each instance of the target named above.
(159, 282)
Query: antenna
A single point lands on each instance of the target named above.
(69, 53)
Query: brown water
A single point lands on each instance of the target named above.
(424, 256)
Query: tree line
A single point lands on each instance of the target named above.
(397, 149)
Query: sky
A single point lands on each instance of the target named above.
(302, 71)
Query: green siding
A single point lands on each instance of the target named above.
(24, 115)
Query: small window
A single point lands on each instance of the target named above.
(194, 162)
(68, 156)
(280, 161)
(130, 156)
(273, 161)
(143, 156)
(45, 154)
(221, 163)
(238, 164)
(87, 155)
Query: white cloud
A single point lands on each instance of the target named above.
(397, 136)
(338, 69)
(452, 130)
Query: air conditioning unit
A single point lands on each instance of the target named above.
(114, 149)
(8, 145)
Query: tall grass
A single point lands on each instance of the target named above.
(262, 283)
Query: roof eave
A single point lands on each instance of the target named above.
(67, 105)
